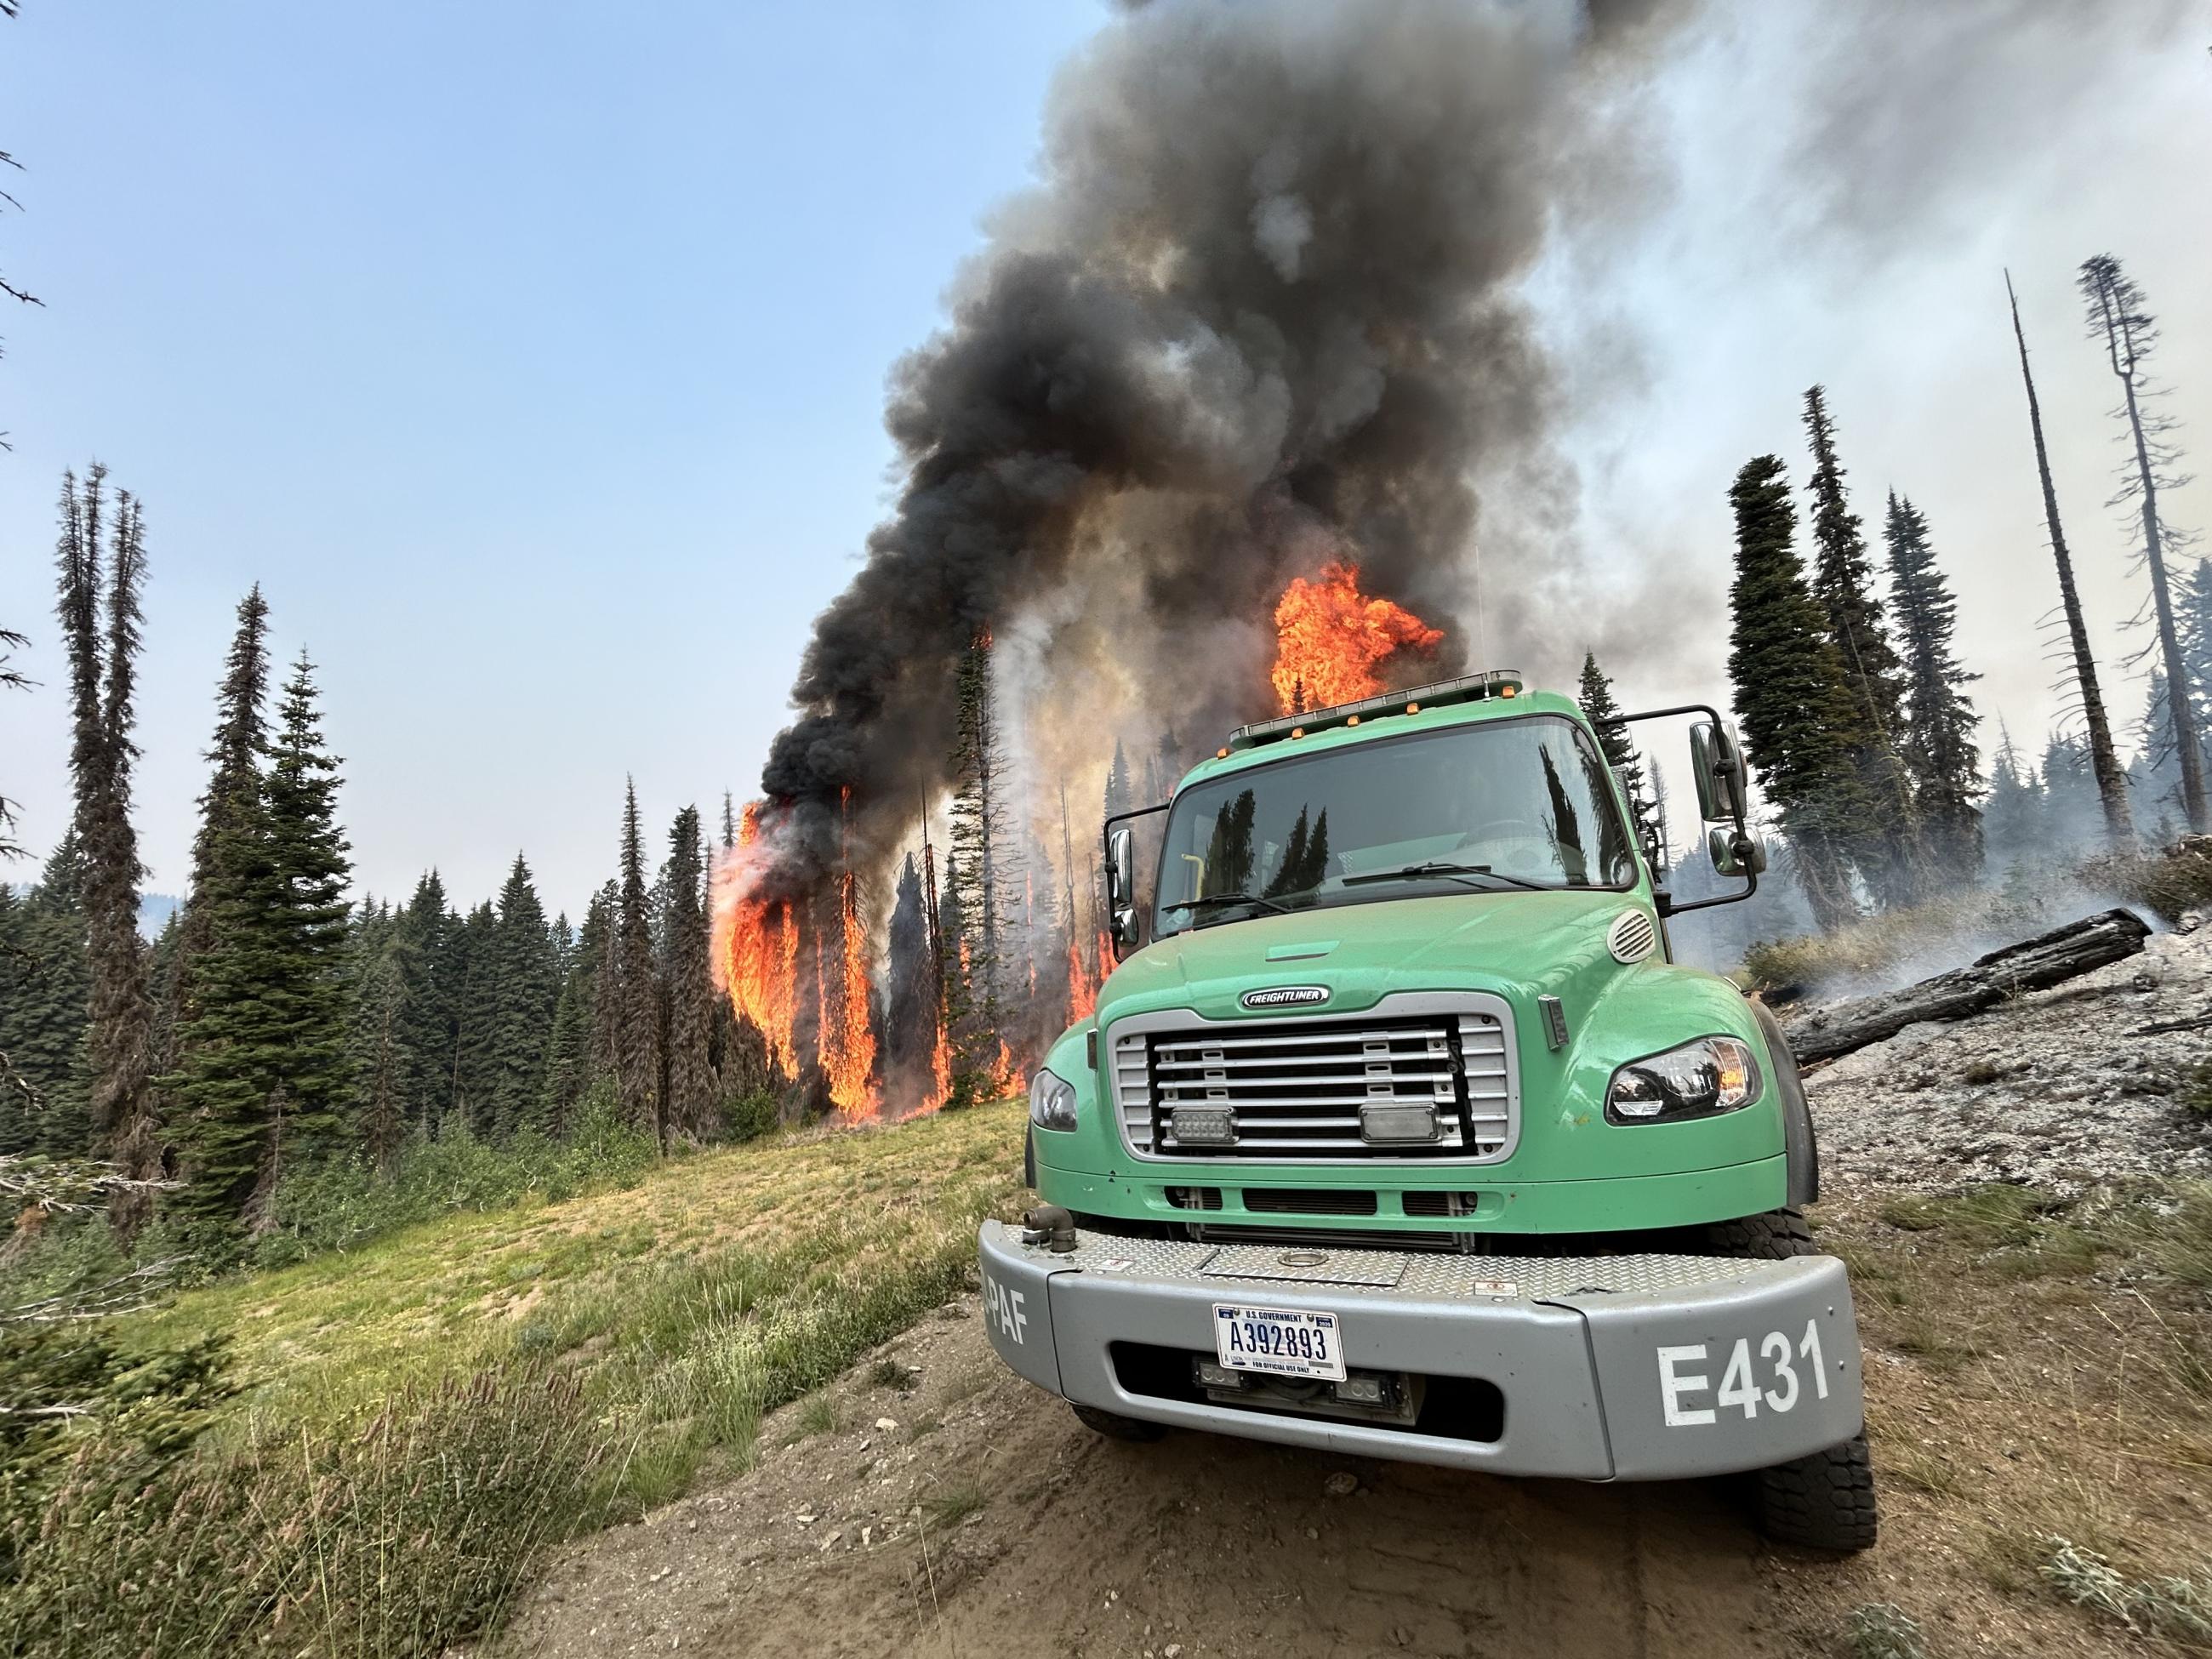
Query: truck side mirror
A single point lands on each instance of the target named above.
(1122, 888)
(1735, 852)
(1717, 764)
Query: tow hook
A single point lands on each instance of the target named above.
(1051, 1226)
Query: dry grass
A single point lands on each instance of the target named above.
(2036, 1371)
(421, 1419)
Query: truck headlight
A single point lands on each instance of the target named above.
(1698, 1079)
(1052, 1102)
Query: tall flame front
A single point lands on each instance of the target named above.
(1330, 637)
(756, 946)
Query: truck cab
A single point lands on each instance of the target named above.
(1397, 1131)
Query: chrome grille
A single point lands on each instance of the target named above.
(1295, 1088)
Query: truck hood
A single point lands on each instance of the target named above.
(1518, 944)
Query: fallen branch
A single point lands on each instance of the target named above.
(2034, 964)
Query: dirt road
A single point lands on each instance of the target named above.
(988, 1520)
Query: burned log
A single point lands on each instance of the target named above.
(2031, 965)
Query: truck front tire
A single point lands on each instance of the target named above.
(1774, 1237)
(1823, 1502)
(1113, 1425)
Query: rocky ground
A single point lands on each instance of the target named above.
(2061, 1088)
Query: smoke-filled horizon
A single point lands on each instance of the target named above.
(1262, 315)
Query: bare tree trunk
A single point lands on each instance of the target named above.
(2104, 760)
(2180, 706)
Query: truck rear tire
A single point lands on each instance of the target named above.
(1774, 1237)
(1114, 1426)
(1823, 1502)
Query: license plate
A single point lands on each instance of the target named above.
(1281, 1341)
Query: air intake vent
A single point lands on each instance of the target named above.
(1307, 1200)
(1194, 1198)
(1632, 937)
(1428, 1203)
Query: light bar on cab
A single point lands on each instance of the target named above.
(1467, 688)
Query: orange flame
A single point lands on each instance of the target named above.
(847, 1045)
(756, 946)
(1330, 637)
(1082, 989)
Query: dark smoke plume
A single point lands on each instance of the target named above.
(1261, 312)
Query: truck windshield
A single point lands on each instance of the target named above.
(1505, 804)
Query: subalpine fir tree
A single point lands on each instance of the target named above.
(265, 1046)
(239, 746)
(636, 988)
(2012, 819)
(1940, 750)
(689, 978)
(524, 985)
(1117, 782)
(98, 604)
(595, 957)
(473, 968)
(1598, 702)
(430, 1007)
(46, 992)
(1799, 720)
(381, 1067)
(568, 1060)
(309, 852)
(1886, 846)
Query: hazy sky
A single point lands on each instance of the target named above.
(531, 356)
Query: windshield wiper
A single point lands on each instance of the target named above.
(1214, 900)
(1450, 873)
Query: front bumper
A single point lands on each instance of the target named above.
(1608, 1367)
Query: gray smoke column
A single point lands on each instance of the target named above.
(1261, 312)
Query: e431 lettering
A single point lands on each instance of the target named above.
(1771, 1380)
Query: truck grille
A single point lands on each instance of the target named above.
(1294, 1089)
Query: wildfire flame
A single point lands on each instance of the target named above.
(1330, 638)
(757, 946)
(847, 1045)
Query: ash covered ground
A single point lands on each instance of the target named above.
(2059, 1089)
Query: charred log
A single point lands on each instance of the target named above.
(2034, 964)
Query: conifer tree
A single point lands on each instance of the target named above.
(1886, 842)
(567, 1059)
(381, 1060)
(1117, 782)
(524, 985)
(2012, 819)
(1598, 702)
(98, 607)
(689, 977)
(46, 996)
(2118, 320)
(472, 965)
(636, 989)
(595, 956)
(266, 1042)
(429, 1002)
(239, 746)
(1799, 720)
(1940, 751)
(309, 852)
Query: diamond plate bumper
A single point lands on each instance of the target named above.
(1630, 1367)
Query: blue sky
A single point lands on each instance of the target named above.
(533, 358)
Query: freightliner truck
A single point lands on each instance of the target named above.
(1398, 1131)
